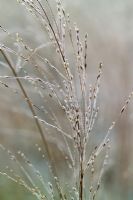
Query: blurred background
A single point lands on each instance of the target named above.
(109, 25)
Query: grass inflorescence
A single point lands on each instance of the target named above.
(64, 85)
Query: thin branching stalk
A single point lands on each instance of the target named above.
(32, 110)
(52, 29)
(26, 98)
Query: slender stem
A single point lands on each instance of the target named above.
(6, 57)
(53, 16)
(52, 29)
(25, 96)
(81, 178)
